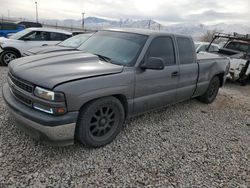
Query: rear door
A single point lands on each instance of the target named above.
(156, 88)
(188, 68)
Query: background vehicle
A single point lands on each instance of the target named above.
(81, 32)
(7, 28)
(119, 74)
(69, 44)
(202, 47)
(20, 42)
(30, 24)
(237, 49)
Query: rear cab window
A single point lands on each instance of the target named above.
(186, 51)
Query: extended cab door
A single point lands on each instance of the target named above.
(188, 68)
(156, 88)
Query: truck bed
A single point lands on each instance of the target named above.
(208, 56)
(209, 65)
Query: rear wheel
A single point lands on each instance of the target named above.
(212, 91)
(100, 122)
(7, 56)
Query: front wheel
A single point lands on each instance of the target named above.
(100, 121)
(7, 56)
(212, 91)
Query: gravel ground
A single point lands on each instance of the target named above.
(185, 145)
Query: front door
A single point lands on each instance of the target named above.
(37, 39)
(156, 88)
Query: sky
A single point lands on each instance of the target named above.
(164, 11)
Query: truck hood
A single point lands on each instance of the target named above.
(48, 49)
(49, 70)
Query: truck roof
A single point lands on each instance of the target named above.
(144, 31)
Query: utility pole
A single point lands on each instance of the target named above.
(83, 20)
(36, 13)
(159, 26)
(149, 23)
(120, 22)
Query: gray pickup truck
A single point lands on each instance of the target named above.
(86, 95)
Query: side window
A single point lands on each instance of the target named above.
(64, 37)
(231, 46)
(37, 36)
(56, 36)
(185, 50)
(162, 47)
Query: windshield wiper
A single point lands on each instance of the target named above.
(107, 59)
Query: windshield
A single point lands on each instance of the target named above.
(121, 48)
(76, 41)
(19, 34)
(239, 46)
(196, 45)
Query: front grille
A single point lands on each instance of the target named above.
(21, 98)
(21, 84)
(20, 89)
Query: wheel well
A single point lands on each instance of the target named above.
(13, 49)
(120, 97)
(124, 102)
(221, 77)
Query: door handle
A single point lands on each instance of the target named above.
(174, 74)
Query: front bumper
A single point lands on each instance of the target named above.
(55, 130)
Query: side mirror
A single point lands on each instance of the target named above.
(154, 63)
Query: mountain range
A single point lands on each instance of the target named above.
(193, 29)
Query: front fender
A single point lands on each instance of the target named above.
(82, 91)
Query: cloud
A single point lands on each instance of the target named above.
(167, 11)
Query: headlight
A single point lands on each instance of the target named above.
(1, 43)
(49, 95)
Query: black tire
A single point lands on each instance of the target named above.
(212, 91)
(7, 56)
(100, 122)
(1, 63)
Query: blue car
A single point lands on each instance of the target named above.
(7, 28)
